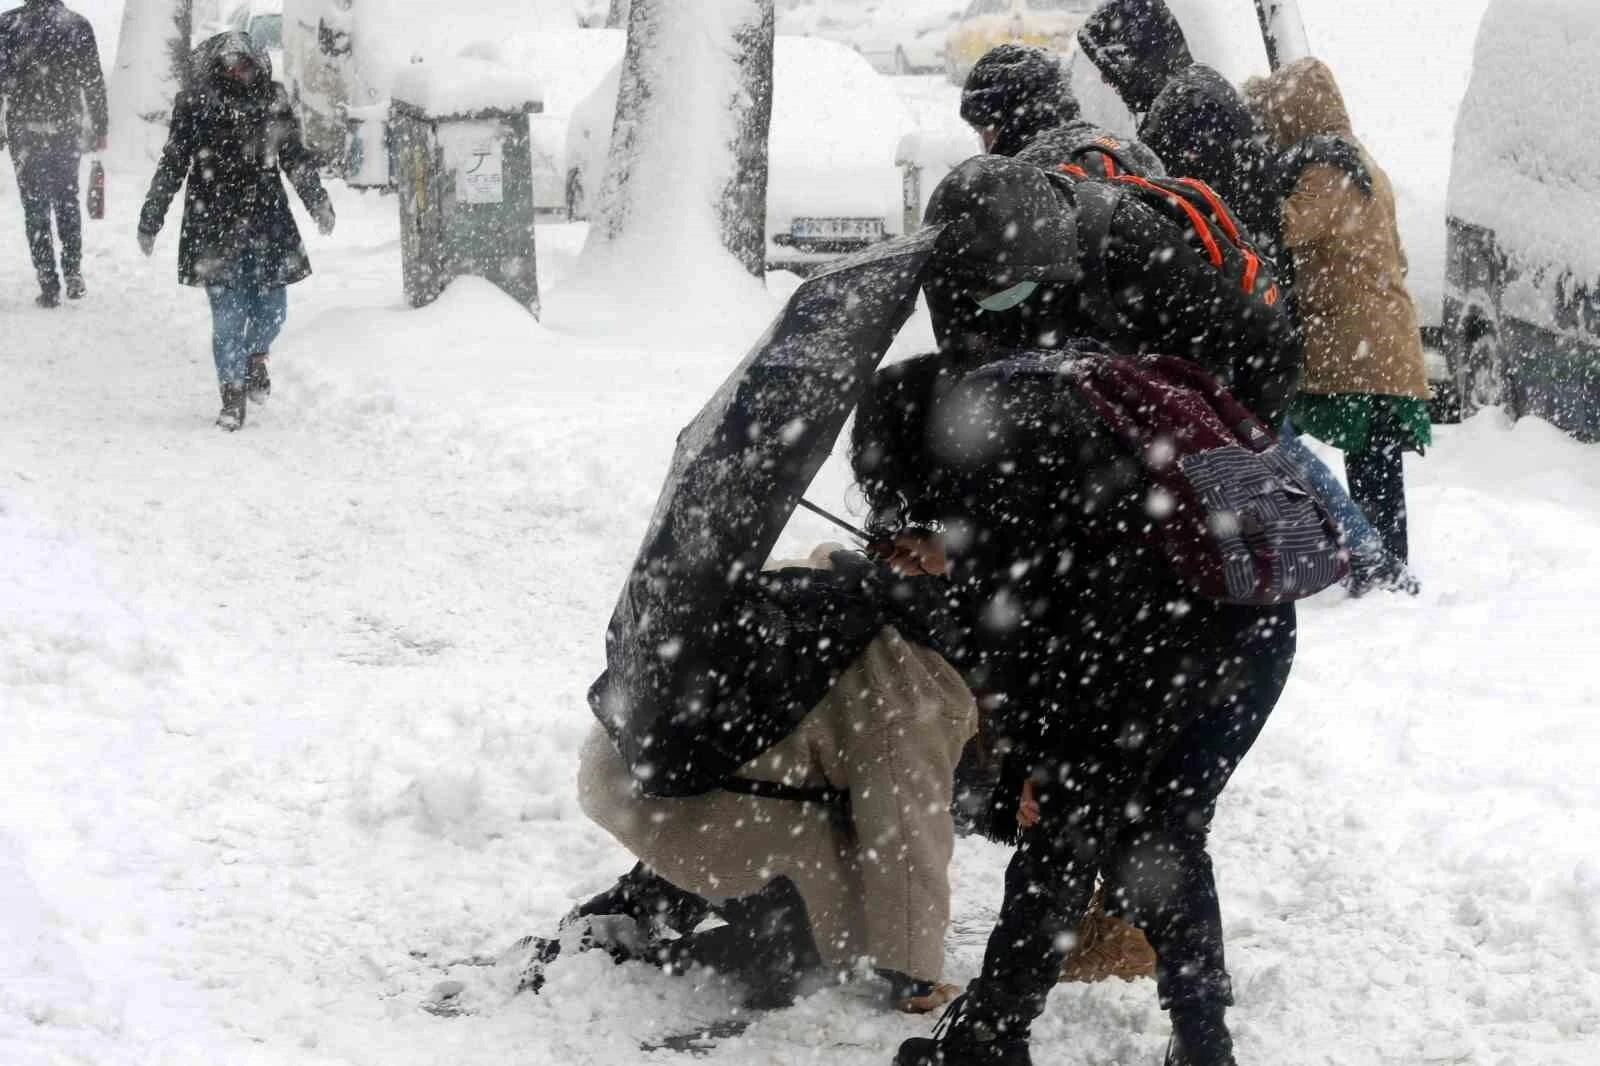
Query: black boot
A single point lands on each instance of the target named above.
(649, 899)
(1200, 1037)
(962, 1040)
(766, 946)
(232, 415)
(258, 382)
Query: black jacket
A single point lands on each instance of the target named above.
(229, 143)
(1082, 638)
(1152, 291)
(1078, 142)
(1192, 117)
(50, 71)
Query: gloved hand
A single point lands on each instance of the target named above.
(147, 242)
(324, 216)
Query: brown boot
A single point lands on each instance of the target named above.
(258, 383)
(232, 415)
(1107, 947)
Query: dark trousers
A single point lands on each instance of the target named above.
(47, 180)
(1377, 482)
(1136, 803)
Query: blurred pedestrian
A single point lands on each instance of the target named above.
(53, 94)
(233, 131)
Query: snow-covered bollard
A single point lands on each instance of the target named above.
(464, 174)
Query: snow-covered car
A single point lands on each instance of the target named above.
(986, 23)
(833, 184)
(1522, 276)
(895, 36)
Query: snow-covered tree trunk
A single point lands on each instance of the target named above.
(152, 61)
(687, 171)
(617, 14)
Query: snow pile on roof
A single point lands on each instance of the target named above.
(1527, 158)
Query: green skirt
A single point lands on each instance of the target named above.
(1345, 420)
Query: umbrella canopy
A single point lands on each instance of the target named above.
(670, 696)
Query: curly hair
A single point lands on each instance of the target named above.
(897, 474)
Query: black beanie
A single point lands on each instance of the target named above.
(1019, 91)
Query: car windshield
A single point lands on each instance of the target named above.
(266, 30)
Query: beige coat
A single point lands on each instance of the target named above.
(1350, 266)
(890, 732)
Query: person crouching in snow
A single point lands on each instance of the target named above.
(828, 851)
(232, 132)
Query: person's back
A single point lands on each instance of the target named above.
(1019, 100)
(50, 78)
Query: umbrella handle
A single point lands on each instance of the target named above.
(836, 520)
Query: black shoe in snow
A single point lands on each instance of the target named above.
(1386, 573)
(48, 298)
(1200, 1037)
(959, 1041)
(258, 382)
(76, 289)
(766, 946)
(647, 898)
(231, 417)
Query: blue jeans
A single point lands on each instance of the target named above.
(1359, 533)
(243, 322)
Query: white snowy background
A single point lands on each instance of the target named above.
(289, 718)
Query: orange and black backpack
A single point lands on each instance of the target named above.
(1191, 205)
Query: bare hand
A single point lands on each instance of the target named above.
(915, 552)
(1028, 809)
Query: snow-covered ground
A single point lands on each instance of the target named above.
(290, 716)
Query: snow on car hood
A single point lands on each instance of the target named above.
(1527, 158)
(836, 124)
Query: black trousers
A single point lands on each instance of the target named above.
(47, 180)
(1136, 802)
(1377, 482)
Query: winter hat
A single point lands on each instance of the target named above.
(1004, 224)
(1019, 91)
(1138, 47)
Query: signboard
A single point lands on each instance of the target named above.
(480, 173)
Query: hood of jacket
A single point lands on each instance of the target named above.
(205, 62)
(1138, 47)
(1004, 223)
(1019, 91)
(1299, 101)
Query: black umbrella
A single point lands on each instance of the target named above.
(738, 472)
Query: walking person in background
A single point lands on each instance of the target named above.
(50, 82)
(232, 132)
(1365, 389)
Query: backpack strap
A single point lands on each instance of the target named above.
(1096, 204)
(836, 800)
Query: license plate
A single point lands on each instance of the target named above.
(837, 228)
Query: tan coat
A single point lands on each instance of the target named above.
(890, 732)
(1350, 266)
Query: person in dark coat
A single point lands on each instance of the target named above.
(1122, 700)
(53, 93)
(233, 133)
(1019, 100)
(1190, 115)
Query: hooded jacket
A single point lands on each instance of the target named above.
(50, 74)
(229, 141)
(1357, 317)
(1193, 118)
